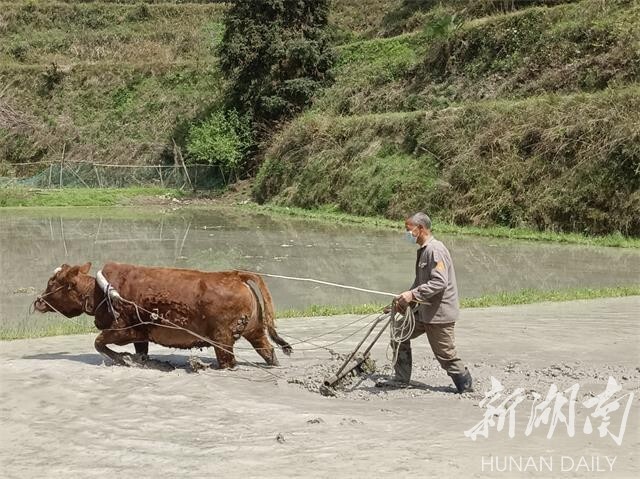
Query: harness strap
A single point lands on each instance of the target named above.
(110, 293)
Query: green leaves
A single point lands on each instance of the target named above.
(276, 54)
(222, 139)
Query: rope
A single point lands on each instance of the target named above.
(311, 280)
(401, 330)
(77, 323)
(326, 346)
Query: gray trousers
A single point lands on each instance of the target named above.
(442, 340)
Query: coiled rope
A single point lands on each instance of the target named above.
(401, 330)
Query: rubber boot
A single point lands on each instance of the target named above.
(402, 376)
(403, 365)
(463, 381)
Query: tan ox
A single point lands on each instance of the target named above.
(217, 307)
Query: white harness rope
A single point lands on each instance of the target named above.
(311, 280)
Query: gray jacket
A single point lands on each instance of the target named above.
(435, 287)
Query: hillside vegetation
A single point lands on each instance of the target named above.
(527, 117)
(108, 82)
(521, 113)
(112, 81)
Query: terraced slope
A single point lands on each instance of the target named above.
(511, 112)
(112, 82)
(528, 117)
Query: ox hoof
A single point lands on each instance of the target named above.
(230, 367)
(117, 361)
(273, 363)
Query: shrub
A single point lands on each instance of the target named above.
(51, 78)
(222, 139)
(276, 54)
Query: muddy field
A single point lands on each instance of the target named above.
(65, 413)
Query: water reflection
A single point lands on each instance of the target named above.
(33, 243)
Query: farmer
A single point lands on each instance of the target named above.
(433, 298)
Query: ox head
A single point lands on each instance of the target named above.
(68, 291)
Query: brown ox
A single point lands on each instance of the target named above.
(220, 306)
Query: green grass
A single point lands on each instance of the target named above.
(332, 216)
(584, 46)
(553, 162)
(528, 296)
(109, 113)
(24, 197)
(43, 32)
(57, 327)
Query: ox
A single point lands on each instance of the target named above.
(220, 306)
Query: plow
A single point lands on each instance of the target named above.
(355, 361)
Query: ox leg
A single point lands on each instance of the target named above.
(225, 358)
(142, 348)
(263, 347)
(115, 337)
(224, 351)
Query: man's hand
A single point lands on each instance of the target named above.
(403, 300)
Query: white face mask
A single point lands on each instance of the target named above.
(408, 235)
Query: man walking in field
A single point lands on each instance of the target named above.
(434, 299)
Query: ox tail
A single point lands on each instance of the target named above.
(267, 313)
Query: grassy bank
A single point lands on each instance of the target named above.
(45, 32)
(150, 197)
(526, 118)
(111, 83)
(84, 325)
(585, 46)
(556, 162)
(112, 113)
(332, 216)
(26, 197)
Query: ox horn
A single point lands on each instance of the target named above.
(57, 270)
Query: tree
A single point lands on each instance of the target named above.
(276, 54)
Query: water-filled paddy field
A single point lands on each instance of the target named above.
(35, 241)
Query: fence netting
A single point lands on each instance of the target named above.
(99, 175)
